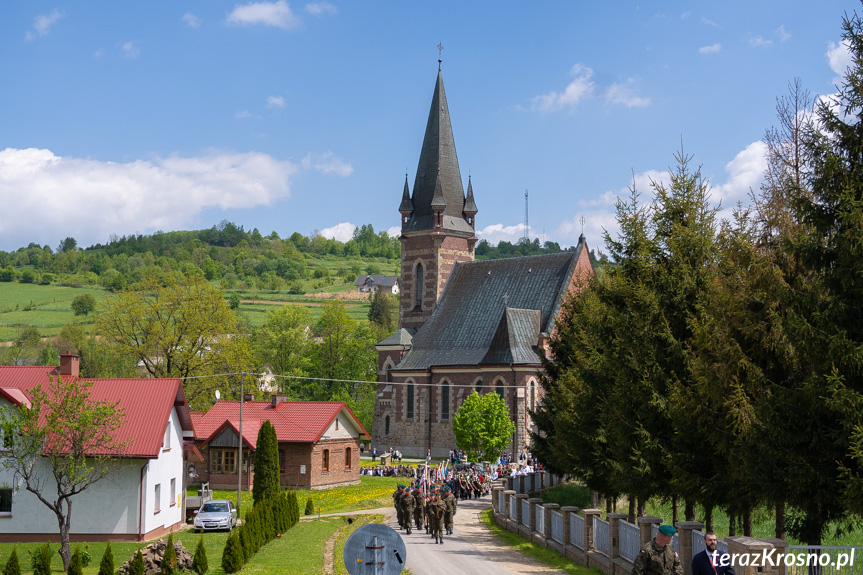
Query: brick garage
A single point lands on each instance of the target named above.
(319, 442)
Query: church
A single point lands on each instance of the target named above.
(464, 325)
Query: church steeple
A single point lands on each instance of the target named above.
(407, 206)
(470, 205)
(438, 161)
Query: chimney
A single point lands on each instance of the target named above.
(278, 398)
(248, 397)
(70, 364)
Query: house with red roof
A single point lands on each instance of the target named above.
(319, 442)
(144, 498)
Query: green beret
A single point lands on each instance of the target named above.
(446, 488)
(400, 486)
(667, 530)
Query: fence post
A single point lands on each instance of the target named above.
(495, 498)
(756, 549)
(589, 514)
(614, 533)
(684, 530)
(565, 511)
(549, 507)
(645, 524)
(534, 501)
(518, 509)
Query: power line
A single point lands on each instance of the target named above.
(333, 380)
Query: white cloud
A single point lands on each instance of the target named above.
(191, 20)
(328, 164)
(42, 25)
(394, 231)
(712, 49)
(275, 102)
(341, 232)
(745, 174)
(709, 22)
(242, 114)
(495, 233)
(758, 41)
(840, 59)
(89, 200)
(130, 50)
(581, 87)
(783, 34)
(321, 8)
(622, 94)
(277, 14)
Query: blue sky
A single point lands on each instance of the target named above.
(120, 118)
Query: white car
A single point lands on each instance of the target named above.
(217, 514)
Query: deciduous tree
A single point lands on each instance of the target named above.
(482, 426)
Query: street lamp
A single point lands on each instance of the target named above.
(240, 442)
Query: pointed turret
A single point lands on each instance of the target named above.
(407, 206)
(438, 164)
(469, 203)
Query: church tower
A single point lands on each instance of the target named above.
(437, 219)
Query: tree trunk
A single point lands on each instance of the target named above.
(594, 499)
(708, 519)
(690, 510)
(747, 522)
(608, 505)
(675, 509)
(732, 524)
(631, 515)
(65, 524)
(642, 507)
(780, 521)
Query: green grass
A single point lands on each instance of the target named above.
(48, 308)
(565, 494)
(300, 550)
(548, 556)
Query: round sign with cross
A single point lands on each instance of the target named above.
(375, 548)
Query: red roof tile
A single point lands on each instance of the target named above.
(147, 404)
(294, 421)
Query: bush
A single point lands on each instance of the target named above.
(168, 566)
(136, 567)
(199, 561)
(232, 556)
(41, 561)
(75, 566)
(106, 566)
(83, 304)
(12, 566)
(310, 506)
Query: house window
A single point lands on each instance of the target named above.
(418, 295)
(387, 425)
(282, 461)
(223, 461)
(326, 463)
(173, 492)
(158, 503)
(348, 458)
(166, 443)
(5, 502)
(445, 400)
(410, 401)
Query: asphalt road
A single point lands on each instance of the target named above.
(472, 549)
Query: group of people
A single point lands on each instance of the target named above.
(658, 557)
(390, 471)
(435, 510)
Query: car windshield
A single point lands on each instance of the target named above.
(215, 508)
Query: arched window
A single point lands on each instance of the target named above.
(479, 387)
(418, 292)
(387, 425)
(389, 374)
(532, 395)
(498, 387)
(444, 394)
(410, 401)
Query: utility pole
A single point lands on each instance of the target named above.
(526, 224)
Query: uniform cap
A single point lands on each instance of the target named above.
(667, 530)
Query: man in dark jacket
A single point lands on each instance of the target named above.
(709, 561)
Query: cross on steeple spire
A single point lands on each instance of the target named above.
(439, 58)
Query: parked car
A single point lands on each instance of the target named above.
(215, 515)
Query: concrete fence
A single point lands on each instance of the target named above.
(610, 544)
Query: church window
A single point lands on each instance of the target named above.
(418, 295)
(410, 401)
(389, 374)
(498, 387)
(387, 425)
(479, 387)
(445, 400)
(532, 395)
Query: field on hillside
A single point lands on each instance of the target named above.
(48, 307)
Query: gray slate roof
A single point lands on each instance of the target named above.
(492, 312)
(438, 157)
(377, 279)
(401, 336)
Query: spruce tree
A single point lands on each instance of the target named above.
(75, 565)
(106, 565)
(266, 464)
(168, 566)
(232, 555)
(13, 567)
(199, 561)
(136, 567)
(43, 561)
(310, 506)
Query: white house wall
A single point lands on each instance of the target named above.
(160, 471)
(345, 428)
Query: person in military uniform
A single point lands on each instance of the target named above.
(437, 509)
(450, 502)
(406, 503)
(397, 498)
(658, 556)
(419, 502)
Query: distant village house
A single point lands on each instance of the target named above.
(373, 283)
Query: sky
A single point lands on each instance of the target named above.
(120, 118)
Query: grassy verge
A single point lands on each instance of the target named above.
(548, 556)
(300, 550)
